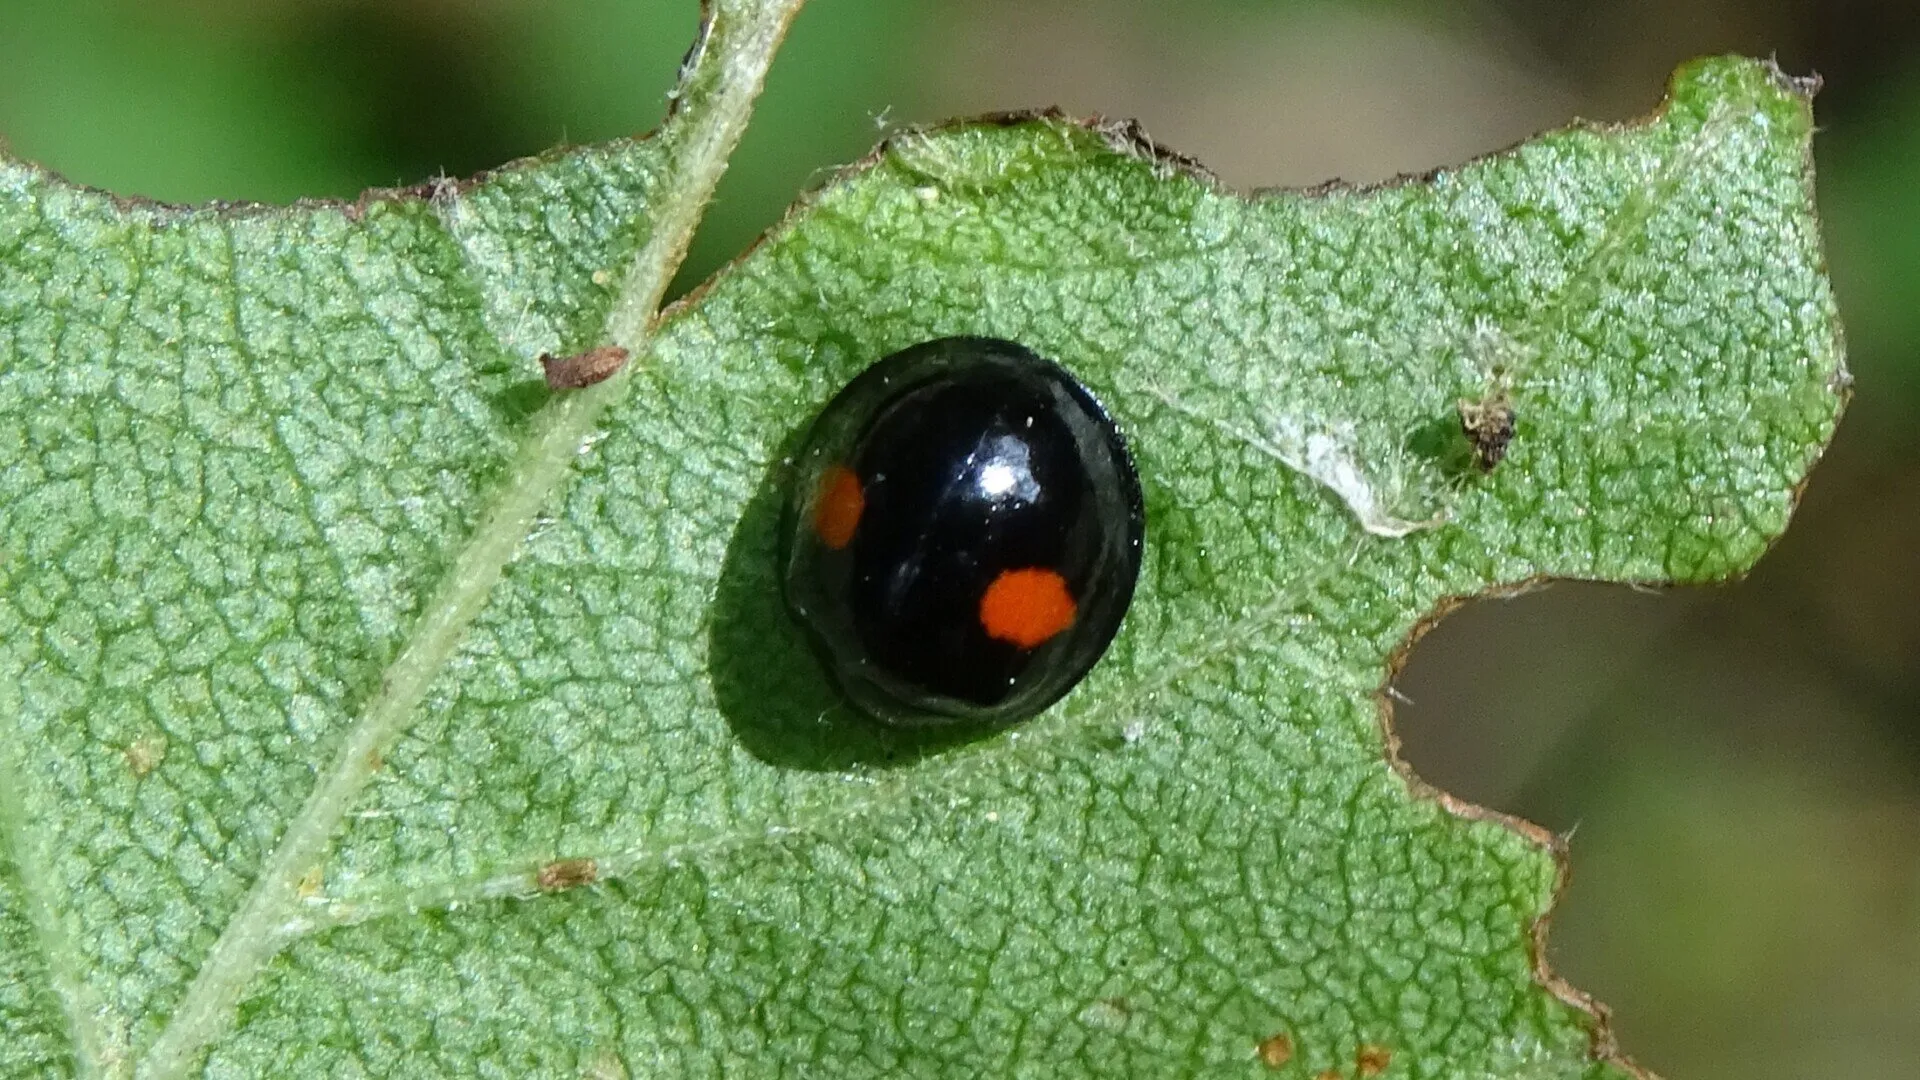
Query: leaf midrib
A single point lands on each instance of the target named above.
(714, 109)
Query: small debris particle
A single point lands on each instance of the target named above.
(1488, 425)
(310, 883)
(146, 754)
(601, 277)
(583, 369)
(567, 874)
(1371, 1060)
(1276, 1051)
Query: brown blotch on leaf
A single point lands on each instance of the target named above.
(1276, 1051)
(1329, 1074)
(375, 762)
(1488, 426)
(567, 874)
(1371, 1060)
(146, 754)
(583, 369)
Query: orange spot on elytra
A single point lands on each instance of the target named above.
(1026, 607)
(837, 507)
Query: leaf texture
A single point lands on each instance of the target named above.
(630, 829)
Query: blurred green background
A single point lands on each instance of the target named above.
(1740, 766)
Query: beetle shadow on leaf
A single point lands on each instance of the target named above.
(767, 681)
(516, 404)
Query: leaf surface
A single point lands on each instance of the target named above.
(627, 828)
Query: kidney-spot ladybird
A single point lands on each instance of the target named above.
(963, 533)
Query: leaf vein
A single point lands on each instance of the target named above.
(97, 1044)
(254, 935)
(934, 784)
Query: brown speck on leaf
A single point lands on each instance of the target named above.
(146, 754)
(1488, 425)
(310, 883)
(375, 762)
(1371, 1060)
(567, 874)
(1330, 1074)
(1276, 1051)
(583, 369)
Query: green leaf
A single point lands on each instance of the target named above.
(618, 822)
